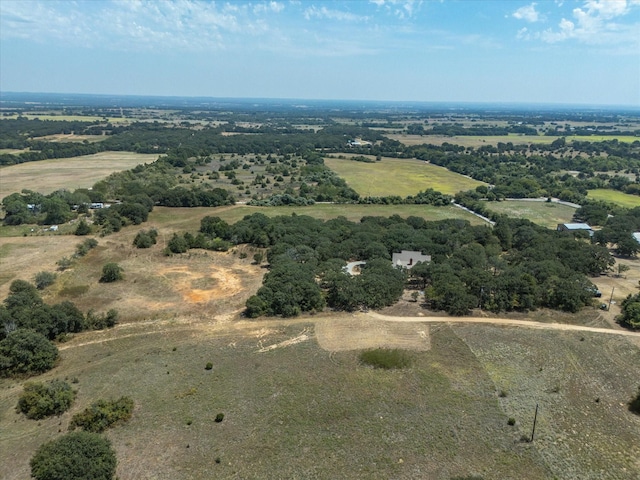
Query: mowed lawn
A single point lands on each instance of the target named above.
(614, 196)
(392, 176)
(543, 213)
(188, 219)
(47, 176)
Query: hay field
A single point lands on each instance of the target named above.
(47, 176)
(188, 219)
(543, 213)
(402, 177)
(478, 141)
(614, 196)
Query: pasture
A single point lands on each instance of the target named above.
(476, 141)
(547, 214)
(614, 196)
(47, 176)
(296, 400)
(188, 219)
(402, 177)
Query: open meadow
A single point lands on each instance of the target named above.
(614, 196)
(46, 176)
(476, 141)
(297, 402)
(393, 176)
(547, 214)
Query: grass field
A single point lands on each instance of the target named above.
(614, 196)
(478, 141)
(47, 176)
(401, 177)
(189, 218)
(543, 213)
(297, 404)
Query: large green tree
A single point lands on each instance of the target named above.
(75, 456)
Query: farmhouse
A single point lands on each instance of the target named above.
(408, 258)
(575, 227)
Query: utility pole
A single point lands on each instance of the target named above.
(535, 419)
(611, 298)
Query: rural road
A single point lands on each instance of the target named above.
(231, 327)
(504, 321)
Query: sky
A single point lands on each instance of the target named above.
(503, 51)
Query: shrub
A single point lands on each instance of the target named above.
(103, 414)
(75, 456)
(511, 421)
(95, 321)
(44, 279)
(83, 228)
(208, 366)
(111, 272)
(634, 404)
(26, 352)
(83, 248)
(219, 417)
(40, 400)
(386, 358)
(145, 239)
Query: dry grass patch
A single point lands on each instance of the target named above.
(47, 176)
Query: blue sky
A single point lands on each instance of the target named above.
(548, 51)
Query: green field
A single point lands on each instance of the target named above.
(543, 213)
(614, 196)
(188, 219)
(402, 177)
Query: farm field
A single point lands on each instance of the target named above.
(398, 177)
(543, 213)
(47, 176)
(614, 196)
(478, 141)
(189, 218)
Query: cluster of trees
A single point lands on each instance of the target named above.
(515, 266)
(630, 316)
(27, 326)
(618, 231)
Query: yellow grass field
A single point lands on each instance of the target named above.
(478, 141)
(392, 176)
(47, 176)
(614, 196)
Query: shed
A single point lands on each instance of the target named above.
(575, 227)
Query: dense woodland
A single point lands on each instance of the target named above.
(516, 266)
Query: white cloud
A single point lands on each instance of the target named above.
(136, 25)
(400, 8)
(527, 13)
(324, 12)
(597, 22)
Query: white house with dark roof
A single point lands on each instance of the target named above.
(408, 258)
